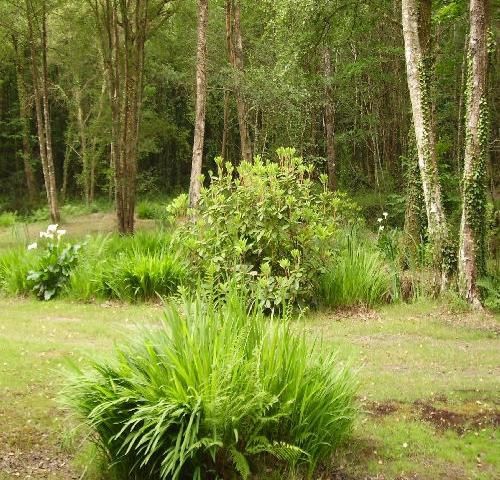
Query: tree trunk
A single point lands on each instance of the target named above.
(41, 96)
(224, 149)
(473, 225)
(25, 116)
(329, 120)
(233, 24)
(201, 102)
(54, 207)
(82, 137)
(123, 27)
(416, 31)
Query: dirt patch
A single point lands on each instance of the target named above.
(381, 409)
(36, 464)
(443, 419)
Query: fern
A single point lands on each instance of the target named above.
(214, 391)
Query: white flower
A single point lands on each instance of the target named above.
(52, 228)
(386, 214)
(60, 233)
(33, 246)
(43, 235)
(380, 228)
(379, 220)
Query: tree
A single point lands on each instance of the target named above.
(25, 118)
(473, 224)
(329, 120)
(235, 47)
(201, 102)
(123, 28)
(36, 15)
(416, 16)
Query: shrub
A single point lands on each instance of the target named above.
(8, 219)
(212, 394)
(269, 229)
(358, 275)
(54, 266)
(178, 207)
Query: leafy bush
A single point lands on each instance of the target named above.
(54, 266)
(269, 229)
(178, 207)
(8, 219)
(358, 275)
(214, 393)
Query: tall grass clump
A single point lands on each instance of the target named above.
(358, 275)
(215, 393)
(143, 276)
(15, 265)
(131, 269)
(8, 219)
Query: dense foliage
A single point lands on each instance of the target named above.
(266, 227)
(214, 393)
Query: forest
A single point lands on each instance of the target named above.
(247, 239)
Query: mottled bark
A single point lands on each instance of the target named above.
(471, 262)
(416, 32)
(201, 102)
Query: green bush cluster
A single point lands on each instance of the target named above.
(267, 227)
(215, 393)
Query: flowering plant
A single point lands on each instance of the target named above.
(55, 263)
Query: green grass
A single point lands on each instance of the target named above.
(8, 219)
(406, 354)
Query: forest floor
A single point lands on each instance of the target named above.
(429, 387)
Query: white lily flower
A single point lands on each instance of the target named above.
(380, 228)
(379, 220)
(49, 236)
(386, 214)
(33, 246)
(43, 234)
(60, 233)
(52, 228)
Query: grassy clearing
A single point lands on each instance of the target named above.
(429, 386)
(77, 226)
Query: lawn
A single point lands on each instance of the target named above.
(429, 387)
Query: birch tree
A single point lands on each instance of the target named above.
(471, 262)
(416, 15)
